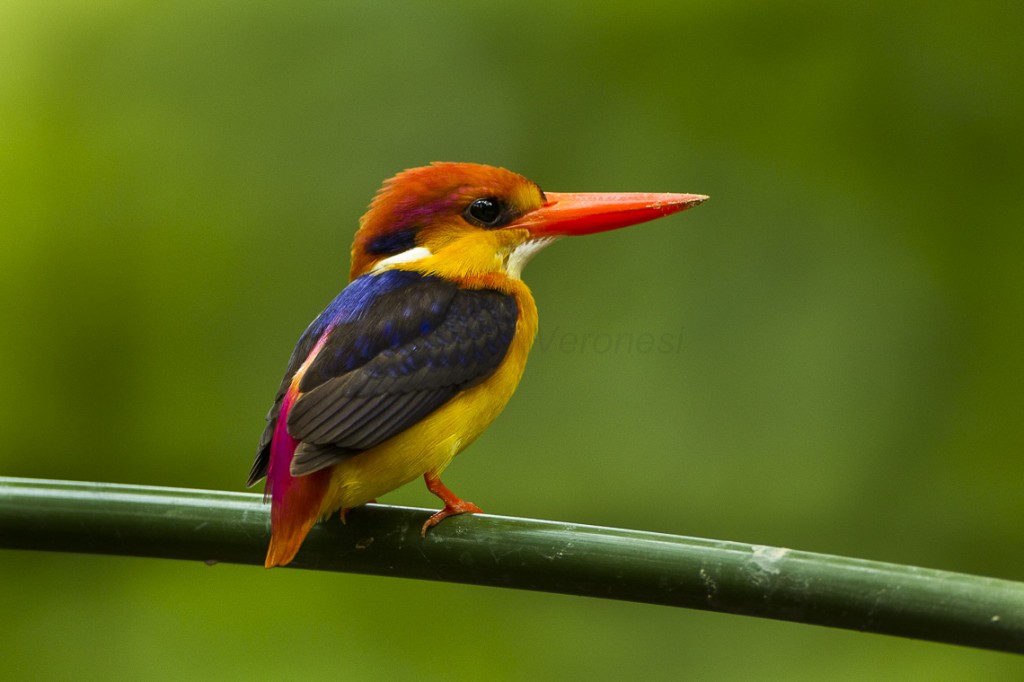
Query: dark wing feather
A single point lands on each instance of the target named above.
(320, 456)
(357, 409)
(362, 323)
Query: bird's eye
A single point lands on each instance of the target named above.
(486, 212)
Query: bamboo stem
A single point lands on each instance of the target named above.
(731, 577)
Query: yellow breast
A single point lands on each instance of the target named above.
(431, 444)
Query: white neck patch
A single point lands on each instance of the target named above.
(410, 256)
(521, 255)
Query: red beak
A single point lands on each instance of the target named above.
(586, 213)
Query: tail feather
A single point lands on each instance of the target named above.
(294, 501)
(291, 521)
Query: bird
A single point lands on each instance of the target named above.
(425, 345)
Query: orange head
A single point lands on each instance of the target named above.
(464, 220)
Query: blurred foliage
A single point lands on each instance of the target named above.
(179, 184)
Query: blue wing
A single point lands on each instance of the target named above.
(398, 346)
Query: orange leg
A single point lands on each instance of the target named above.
(346, 510)
(452, 504)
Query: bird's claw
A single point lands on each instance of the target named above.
(460, 507)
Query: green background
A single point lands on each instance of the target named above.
(179, 185)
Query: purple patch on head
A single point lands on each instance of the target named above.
(414, 213)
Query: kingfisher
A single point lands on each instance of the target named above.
(423, 348)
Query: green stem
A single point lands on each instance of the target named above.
(500, 551)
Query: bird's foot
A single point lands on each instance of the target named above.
(453, 504)
(462, 507)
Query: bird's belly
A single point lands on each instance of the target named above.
(428, 446)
